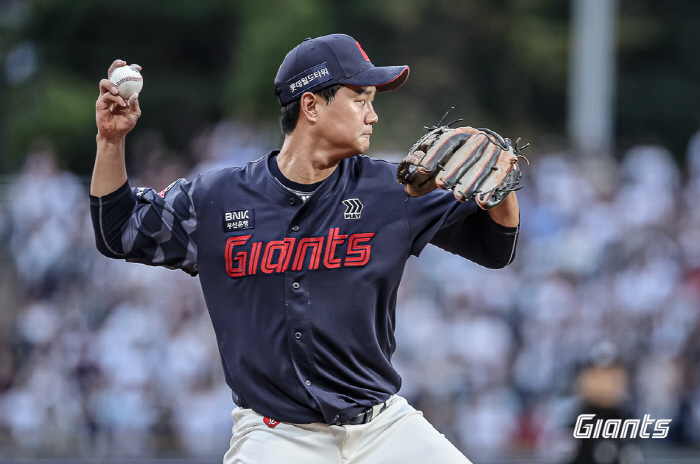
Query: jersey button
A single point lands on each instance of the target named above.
(292, 201)
(297, 335)
(295, 228)
(296, 285)
(308, 383)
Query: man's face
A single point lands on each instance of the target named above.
(346, 123)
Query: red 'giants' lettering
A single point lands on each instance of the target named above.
(239, 269)
(278, 255)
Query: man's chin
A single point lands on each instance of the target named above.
(364, 146)
(359, 149)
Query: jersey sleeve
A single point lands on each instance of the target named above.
(143, 226)
(429, 213)
(460, 228)
(480, 239)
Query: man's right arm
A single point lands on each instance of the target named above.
(138, 225)
(115, 117)
(109, 172)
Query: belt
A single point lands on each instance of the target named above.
(367, 415)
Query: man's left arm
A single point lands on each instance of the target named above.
(507, 213)
(486, 237)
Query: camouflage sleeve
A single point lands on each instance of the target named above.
(144, 226)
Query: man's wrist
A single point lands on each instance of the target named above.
(506, 214)
(104, 141)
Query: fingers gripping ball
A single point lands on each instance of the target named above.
(483, 166)
(127, 80)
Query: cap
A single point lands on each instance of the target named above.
(332, 59)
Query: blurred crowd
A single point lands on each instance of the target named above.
(104, 358)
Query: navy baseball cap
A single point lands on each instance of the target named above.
(332, 59)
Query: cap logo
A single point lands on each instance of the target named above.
(309, 78)
(364, 55)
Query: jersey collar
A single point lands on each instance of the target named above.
(268, 184)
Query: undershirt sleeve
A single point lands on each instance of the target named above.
(109, 214)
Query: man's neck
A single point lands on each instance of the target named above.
(300, 163)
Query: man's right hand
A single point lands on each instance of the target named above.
(115, 116)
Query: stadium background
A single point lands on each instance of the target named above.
(105, 360)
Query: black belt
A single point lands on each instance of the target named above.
(367, 415)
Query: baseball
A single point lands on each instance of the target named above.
(127, 79)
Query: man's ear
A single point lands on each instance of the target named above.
(307, 106)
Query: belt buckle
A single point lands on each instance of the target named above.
(367, 415)
(362, 418)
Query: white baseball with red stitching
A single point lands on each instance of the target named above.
(127, 79)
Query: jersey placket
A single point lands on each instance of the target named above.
(298, 326)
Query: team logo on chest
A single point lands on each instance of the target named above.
(331, 251)
(353, 208)
(239, 220)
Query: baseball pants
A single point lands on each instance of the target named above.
(400, 434)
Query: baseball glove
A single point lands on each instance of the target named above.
(473, 163)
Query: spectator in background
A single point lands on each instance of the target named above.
(42, 203)
(603, 388)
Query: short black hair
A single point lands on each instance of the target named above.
(289, 115)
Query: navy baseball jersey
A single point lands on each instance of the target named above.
(301, 286)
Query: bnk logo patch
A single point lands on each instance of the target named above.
(239, 220)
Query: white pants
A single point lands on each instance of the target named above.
(400, 434)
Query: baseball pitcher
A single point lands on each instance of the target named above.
(300, 254)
